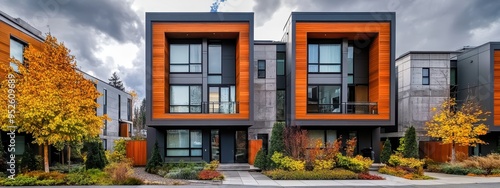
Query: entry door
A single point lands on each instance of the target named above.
(227, 145)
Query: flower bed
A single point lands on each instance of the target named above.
(335, 174)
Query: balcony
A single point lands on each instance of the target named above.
(344, 108)
(220, 107)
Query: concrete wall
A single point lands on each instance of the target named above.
(414, 99)
(264, 92)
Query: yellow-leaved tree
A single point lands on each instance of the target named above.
(54, 102)
(458, 125)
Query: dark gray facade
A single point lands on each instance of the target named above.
(476, 80)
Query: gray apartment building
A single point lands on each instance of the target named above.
(117, 105)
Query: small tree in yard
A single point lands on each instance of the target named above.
(296, 142)
(277, 141)
(261, 159)
(458, 126)
(96, 158)
(410, 149)
(155, 160)
(386, 151)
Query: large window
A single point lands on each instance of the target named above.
(185, 99)
(214, 64)
(425, 76)
(324, 99)
(261, 68)
(280, 105)
(16, 52)
(185, 58)
(323, 136)
(183, 143)
(324, 58)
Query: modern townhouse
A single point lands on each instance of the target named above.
(117, 105)
(211, 87)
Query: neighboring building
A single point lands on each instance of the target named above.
(117, 105)
(425, 80)
(479, 78)
(15, 35)
(211, 87)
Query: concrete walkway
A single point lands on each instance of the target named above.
(258, 179)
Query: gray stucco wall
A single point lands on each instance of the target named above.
(415, 100)
(264, 92)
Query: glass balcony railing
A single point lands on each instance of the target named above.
(220, 107)
(344, 108)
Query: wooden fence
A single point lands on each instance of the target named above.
(136, 150)
(253, 147)
(440, 152)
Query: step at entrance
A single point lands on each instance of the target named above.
(237, 167)
(376, 166)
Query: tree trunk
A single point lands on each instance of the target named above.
(453, 156)
(46, 157)
(62, 156)
(69, 154)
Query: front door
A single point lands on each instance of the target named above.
(229, 145)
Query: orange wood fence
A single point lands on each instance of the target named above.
(253, 147)
(441, 152)
(136, 150)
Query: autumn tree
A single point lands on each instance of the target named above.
(460, 125)
(116, 82)
(54, 102)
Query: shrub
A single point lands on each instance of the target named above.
(356, 164)
(3, 157)
(350, 146)
(397, 160)
(210, 175)
(95, 156)
(155, 161)
(367, 176)
(332, 149)
(66, 168)
(119, 153)
(455, 169)
(261, 159)
(213, 165)
(119, 172)
(296, 142)
(88, 177)
(487, 163)
(183, 173)
(20, 180)
(402, 172)
(132, 181)
(28, 160)
(36, 178)
(335, 174)
(324, 164)
(386, 151)
(287, 163)
(277, 140)
(410, 149)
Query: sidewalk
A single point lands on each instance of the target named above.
(258, 179)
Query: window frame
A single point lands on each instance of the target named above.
(259, 70)
(23, 43)
(189, 99)
(317, 96)
(318, 64)
(189, 148)
(189, 58)
(428, 75)
(209, 73)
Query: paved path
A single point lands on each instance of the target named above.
(442, 180)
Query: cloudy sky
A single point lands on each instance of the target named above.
(108, 35)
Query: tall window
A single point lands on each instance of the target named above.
(324, 99)
(425, 76)
(261, 68)
(185, 58)
(350, 64)
(185, 99)
(105, 111)
(280, 64)
(214, 64)
(280, 105)
(16, 52)
(119, 106)
(324, 58)
(183, 143)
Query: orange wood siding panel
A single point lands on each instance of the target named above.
(253, 147)
(160, 64)
(441, 152)
(379, 71)
(496, 88)
(136, 150)
(6, 31)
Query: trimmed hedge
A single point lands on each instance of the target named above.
(335, 174)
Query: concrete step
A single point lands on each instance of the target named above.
(237, 167)
(376, 166)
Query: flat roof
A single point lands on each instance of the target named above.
(18, 22)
